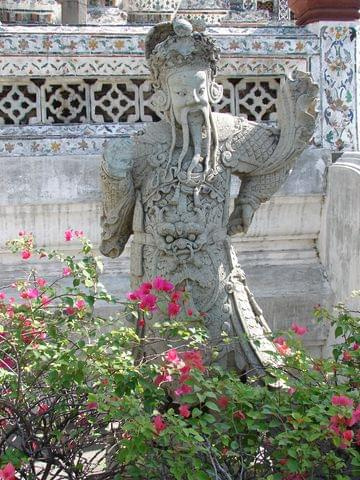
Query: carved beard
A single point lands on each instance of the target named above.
(193, 119)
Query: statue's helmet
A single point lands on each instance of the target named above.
(172, 46)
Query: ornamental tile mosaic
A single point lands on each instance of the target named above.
(339, 87)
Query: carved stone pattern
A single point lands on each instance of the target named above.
(120, 100)
(65, 102)
(283, 10)
(115, 102)
(19, 104)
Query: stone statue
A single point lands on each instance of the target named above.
(169, 186)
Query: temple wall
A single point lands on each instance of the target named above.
(55, 84)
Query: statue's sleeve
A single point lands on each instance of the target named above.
(263, 157)
(118, 196)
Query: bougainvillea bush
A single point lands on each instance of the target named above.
(80, 400)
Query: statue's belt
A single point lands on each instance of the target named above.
(142, 238)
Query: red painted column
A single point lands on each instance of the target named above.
(310, 11)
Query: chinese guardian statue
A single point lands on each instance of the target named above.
(169, 186)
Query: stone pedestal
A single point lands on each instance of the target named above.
(30, 11)
(310, 11)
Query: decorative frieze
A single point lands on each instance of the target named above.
(339, 87)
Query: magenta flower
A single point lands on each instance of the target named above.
(298, 329)
(2, 295)
(69, 310)
(8, 472)
(159, 424)
(163, 377)
(41, 282)
(183, 390)
(172, 356)
(342, 401)
(148, 302)
(184, 411)
(25, 254)
(66, 271)
(68, 235)
(279, 340)
(80, 304)
(173, 309)
(223, 401)
(162, 284)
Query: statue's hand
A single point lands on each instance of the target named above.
(240, 219)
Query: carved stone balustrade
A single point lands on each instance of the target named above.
(30, 11)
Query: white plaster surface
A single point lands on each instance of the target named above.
(339, 241)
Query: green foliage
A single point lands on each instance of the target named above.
(82, 396)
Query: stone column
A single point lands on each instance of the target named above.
(102, 12)
(74, 12)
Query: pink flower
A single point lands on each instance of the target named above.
(8, 472)
(283, 349)
(30, 293)
(80, 304)
(279, 340)
(7, 363)
(41, 282)
(172, 356)
(92, 406)
(223, 402)
(291, 390)
(69, 310)
(183, 390)
(163, 377)
(45, 300)
(173, 309)
(66, 271)
(133, 296)
(348, 435)
(298, 329)
(148, 302)
(43, 408)
(342, 401)
(239, 415)
(162, 284)
(356, 346)
(189, 312)
(159, 424)
(347, 356)
(185, 370)
(176, 296)
(184, 411)
(355, 417)
(25, 254)
(68, 235)
(2, 295)
(193, 358)
(145, 288)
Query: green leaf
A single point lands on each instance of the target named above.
(338, 331)
(212, 406)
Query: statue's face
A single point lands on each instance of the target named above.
(188, 92)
